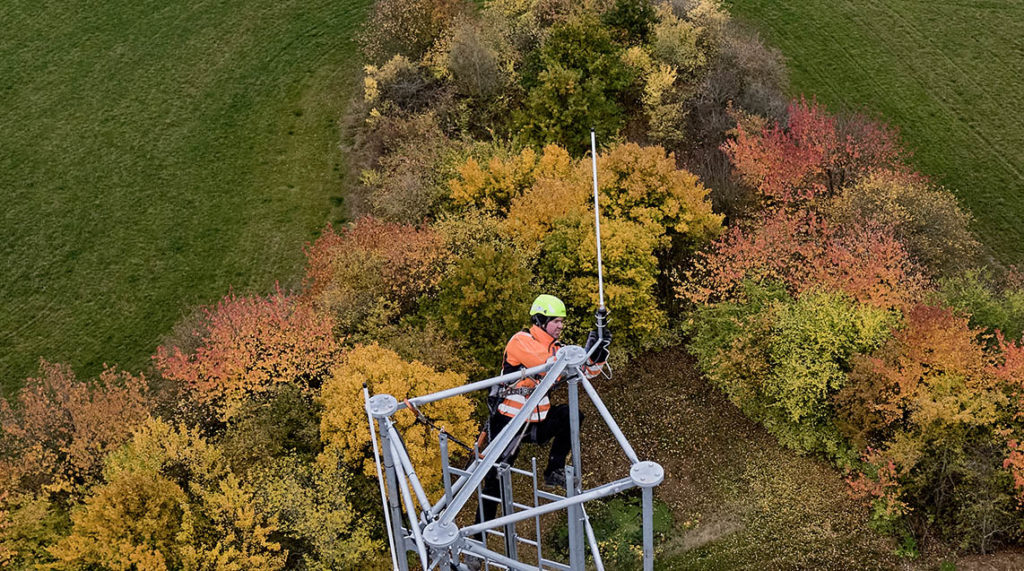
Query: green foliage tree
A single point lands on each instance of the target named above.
(580, 82)
(989, 305)
(318, 523)
(781, 360)
(483, 298)
(568, 265)
(630, 21)
(284, 421)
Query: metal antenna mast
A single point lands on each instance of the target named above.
(597, 220)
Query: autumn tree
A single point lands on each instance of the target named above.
(407, 27)
(54, 440)
(651, 212)
(170, 501)
(373, 272)
(813, 154)
(344, 424)
(804, 250)
(474, 65)
(317, 521)
(251, 345)
(930, 403)
(934, 371)
(505, 176)
(927, 220)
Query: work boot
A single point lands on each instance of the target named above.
(555, 479)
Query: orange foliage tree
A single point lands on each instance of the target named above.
(934, 372)
(250, 345)
(56, 437)
(1009, 369)
(931, 407)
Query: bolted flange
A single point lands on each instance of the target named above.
(573, 355)
(440, 535)
(647, 474)
(382, 406)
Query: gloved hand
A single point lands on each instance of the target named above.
(601, 354)
(591, 339)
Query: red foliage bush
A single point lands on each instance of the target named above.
(803, 250)
(814, 154)
(248, 346)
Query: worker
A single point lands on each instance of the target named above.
(527, 349)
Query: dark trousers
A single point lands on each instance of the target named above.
(554, 426)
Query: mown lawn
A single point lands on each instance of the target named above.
(154, 155)
(950, 75)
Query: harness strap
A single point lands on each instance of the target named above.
(427, 421)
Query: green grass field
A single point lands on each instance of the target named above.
(154, 155)
(950, 75)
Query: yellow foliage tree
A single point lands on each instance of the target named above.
(170, 502)
(493, 188)
(644, 185)
(652, 212)
(344, 429)
(312, 504)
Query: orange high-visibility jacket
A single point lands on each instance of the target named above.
(529, 349)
